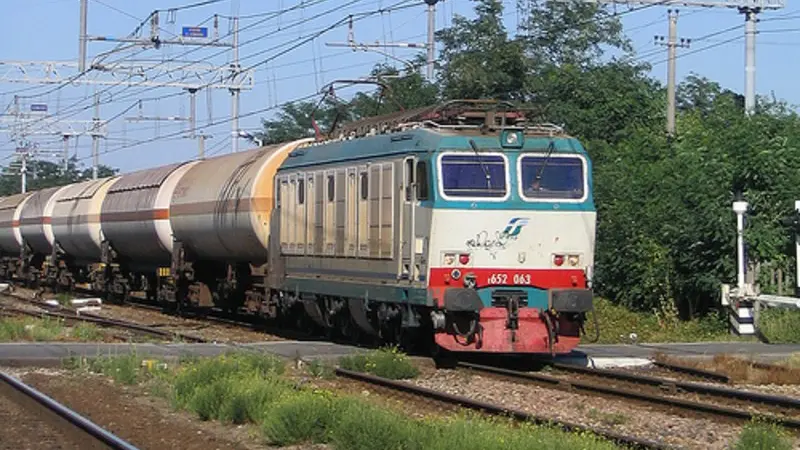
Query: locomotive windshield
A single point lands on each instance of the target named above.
(556, 177)
(473, 176)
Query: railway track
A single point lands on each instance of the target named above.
(70, 315)
(497, 410)
(725, 402)
(72, 426)
(214, 315)
(693, 371)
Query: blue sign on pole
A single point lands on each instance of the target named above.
(195, 32)
(39, 107)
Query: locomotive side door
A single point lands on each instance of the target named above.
(408, 203)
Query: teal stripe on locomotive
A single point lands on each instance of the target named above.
(427, 145)
(536, 298)
(370, 291)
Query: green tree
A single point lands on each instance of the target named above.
(478, 60)
(294, 121)
(43, 174)
(408, 92)
(700, 93)
(572, 34)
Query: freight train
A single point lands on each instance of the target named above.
(459, 224)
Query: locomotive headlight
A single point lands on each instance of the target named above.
(449, 259)
(511, 138)
(573, 260)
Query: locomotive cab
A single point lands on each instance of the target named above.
(511, 243)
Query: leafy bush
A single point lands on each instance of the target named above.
(780, 325)
(252, 397)
(305, 417)
(762, 436)
(207, 401)
(387, 363)
(361, 426)
(208, 371)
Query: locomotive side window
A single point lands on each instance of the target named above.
(474, 176)
(301, 191)
(408, 173)
(364, 185)
(556, 177)
(422, 180)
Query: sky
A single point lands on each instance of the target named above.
(291, 60)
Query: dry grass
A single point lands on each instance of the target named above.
(742, 370)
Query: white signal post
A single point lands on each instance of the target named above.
(797, 252)
(740, 208)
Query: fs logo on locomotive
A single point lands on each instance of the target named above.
(514, 226)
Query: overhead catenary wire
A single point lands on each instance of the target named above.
(174, 59)
(103, 91)
(296, 45)
(341, 22)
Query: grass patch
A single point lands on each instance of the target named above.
(64, 299)
(793, 361)
(304, 417)
(763, 436)
(361, 426)
(123, 369)
(780, 325)
(86, 332)
(618, 322)
(232, 388)
(30, 329)
(387, 363)
(741, 370)
(320, 369)
(250, 389)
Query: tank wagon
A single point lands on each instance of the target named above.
(459, 224)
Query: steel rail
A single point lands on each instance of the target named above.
(108, 322)
(564, 384)
(630, 441)
(707, 374)
(73, 426)
(688, 386)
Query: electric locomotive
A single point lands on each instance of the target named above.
(460, 221)
(460, 225)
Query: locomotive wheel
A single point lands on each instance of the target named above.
(443, 359)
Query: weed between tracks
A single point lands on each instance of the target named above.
(763, 436)
(388, 363)
(46, 329)
(253, 389)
